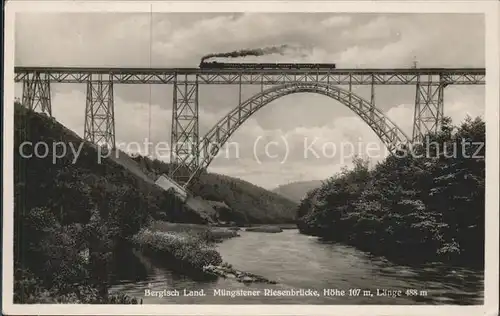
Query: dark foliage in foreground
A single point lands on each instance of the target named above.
(70, 215)
(410, 209)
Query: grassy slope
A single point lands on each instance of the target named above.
(197, 205)
(239, 201)
(247, 202)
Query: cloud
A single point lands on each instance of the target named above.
(180, 40)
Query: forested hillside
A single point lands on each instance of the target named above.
(246, 203)
(410, 209)
(72, 206)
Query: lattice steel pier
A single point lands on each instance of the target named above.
(189, 150)
(36, 93)
(99, 112)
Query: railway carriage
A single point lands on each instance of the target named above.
(218, 65)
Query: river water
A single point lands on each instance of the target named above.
(297, 262)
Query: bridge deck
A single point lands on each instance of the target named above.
(340, 76)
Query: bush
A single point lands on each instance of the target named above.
(28, 289)
(179, 251)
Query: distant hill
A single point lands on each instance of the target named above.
(295, 191)
(234, 199)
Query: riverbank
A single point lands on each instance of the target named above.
(204, 232)
(190, 249)
(264, 229)
(227, 271)
(217, 233)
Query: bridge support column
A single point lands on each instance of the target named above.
(429, 108)
(372, 98)
(100, 113)
(372, 94)
(36, 93)
(350, 88)
(185, 130)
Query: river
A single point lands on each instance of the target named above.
(298, 261)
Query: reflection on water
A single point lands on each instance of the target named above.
(303, 262)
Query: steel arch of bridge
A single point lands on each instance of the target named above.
(390, 134)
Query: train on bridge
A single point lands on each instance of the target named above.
(218, 65)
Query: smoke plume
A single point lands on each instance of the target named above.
(250, 52)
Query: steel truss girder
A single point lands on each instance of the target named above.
(100, 113)
(36, 93)
(429, 109)
(390, 134)
(464, 76)
(185, 131)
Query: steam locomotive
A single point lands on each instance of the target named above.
(217, 65)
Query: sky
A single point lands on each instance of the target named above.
(299, 131)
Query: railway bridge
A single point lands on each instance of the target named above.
(191, 152)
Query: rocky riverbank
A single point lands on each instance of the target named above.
(226, 271)
(264, 229)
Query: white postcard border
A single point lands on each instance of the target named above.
(491, 9)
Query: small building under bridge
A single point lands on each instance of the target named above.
(168, 184)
